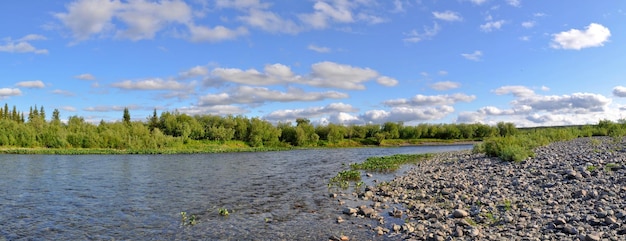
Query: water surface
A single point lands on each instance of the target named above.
(270, 195)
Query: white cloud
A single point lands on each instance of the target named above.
(68, 108)
(291, 115)
(139, 19)
(475, 56)
(213, 110)
(619, 91)
(386, 81)
(407, 114)
(319, 49)
(514, 3)
(448, 16)
(22, 45)
(63, 92)
(445, 85)
(323, 74)
(333, 75)
(516, 90)
(240, 4)
(594, 35)
(85, 77)
(258, 95)
(109, 108)
(194, 72)
(430, 100)
(8, 92)
(35, 84)
(88, 17)
(338, 11)
(492, 25)
(152, 84)
(478, 2)
(577, 102)
(270, 22)
(215, 34)
(274, 74)
(145, 18)
(528, 24)
(414, 36)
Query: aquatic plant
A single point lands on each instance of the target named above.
(223, 212)
(186, 220)
(388, 163)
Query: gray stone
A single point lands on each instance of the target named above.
(459, 213)
(569, 229)
(592, 237)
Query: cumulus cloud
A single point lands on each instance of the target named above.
(137, 20)
(274, 74)
(258, 95)
(515, 90)
(318, 49)
(430, 100)
(514, 3)
(109, 108)
(492, 25)
(324, 13)
(528, 24)
(448, 16)
(323, 74)
(619, 91)
(85, 77)
(215, 34)
(578, 102)
(478, 2)
(386, 81)
(333, 75)
(213, 110)
(475, 56)
(414, 36)
(194, 72)
(22, 45)
(445, 85)
(313, 112)
(152, 84)
(34, 84)
(8, 92)
(594, 35)
(270, 22)
(63, 92)
(241, 4)
(407, 114)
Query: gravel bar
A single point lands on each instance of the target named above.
(572, 190)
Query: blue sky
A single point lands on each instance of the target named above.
(533, 63)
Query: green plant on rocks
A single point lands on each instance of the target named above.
(223, 212)
(389, 163)
(188, 220)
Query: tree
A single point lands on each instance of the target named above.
(153, 121)
(126, 117)
(56, 116)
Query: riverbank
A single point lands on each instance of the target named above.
(573, 190)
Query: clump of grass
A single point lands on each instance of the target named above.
(388, 163)
(610, 166)
(187, 220)
(591, 168)
(343, 178)
(223, 212)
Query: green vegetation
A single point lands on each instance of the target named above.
(519, 144)
(186, 220)
(388, 163)
(223, 212)
(174, 132)
(377, 164)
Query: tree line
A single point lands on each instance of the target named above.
(175, 130)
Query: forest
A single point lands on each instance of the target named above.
(178, 132)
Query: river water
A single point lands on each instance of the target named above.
(269, 195)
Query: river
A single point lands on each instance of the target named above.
(269, 195)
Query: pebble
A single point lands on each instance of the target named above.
(467, 196)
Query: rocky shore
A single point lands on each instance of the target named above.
(574, 190)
